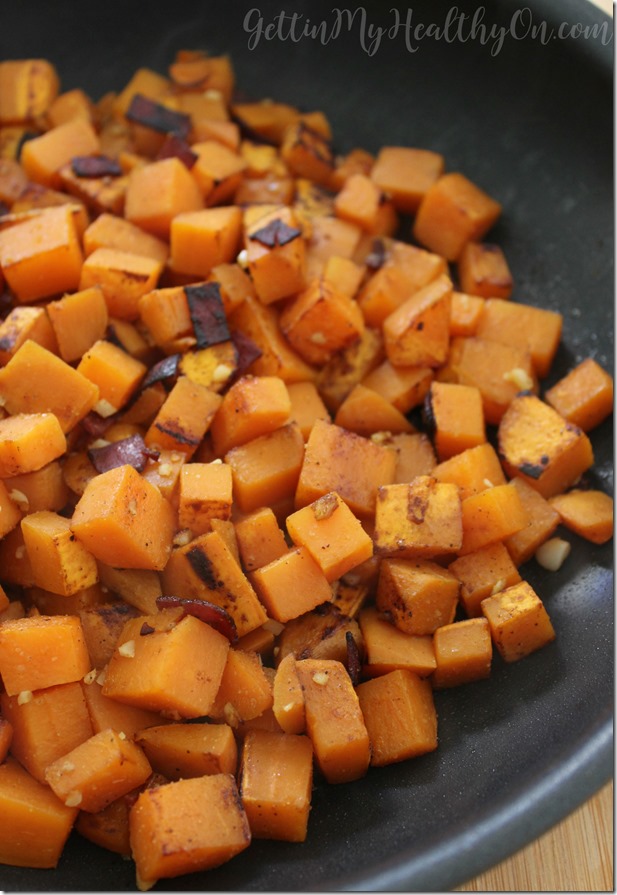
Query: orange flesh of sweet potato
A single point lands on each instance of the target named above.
(279, 477)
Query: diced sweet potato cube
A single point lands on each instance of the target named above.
(79, 320)
(307, 153)
(42, 256)
(405, 174)
(200, 240)
(184, 418)
(157, 192)
(187, 826)
(47, 726)
(418, 519)
(205, 492)
(10, 510)
(414, 455)
(68, 105)
(43, 156)
(54, 647)
(176, 667)
(405, 270)
(260, 540)
(588, 513)
(123, 277)
(116, 374)
(453, 212)
(124, 520)
(59, 562)
(37, 822)
(334, 720)
(482, 573)
(348, 368)
(217, 171)
(465, 313)
(404, 387)
(360, 200)
(388, 648)
(23, 323)
(108, 713)
(189, 750)
(37, 382)
(584, 396)
(483, 270)
(491, 515)
(518, 621)
(207, 569)
(321, 321)
(245, 691)
(288, 696)
(165, 314)
(253, 406)
(341, 461)
(419, 595)
(463, 651)
(498, 370)
(113, 232)
(456, 417)
(541, 447)
(98, 771)
(276, 254)
(535, 330)
(306, 406)
(276, 781)
(400, 716)
(266, 469)
(28, 88)
(291, 585)
(102, 626)
(542, 520)
(365, 412)
(417, 333)
(332, 534)
(473, 470)
(259, 323)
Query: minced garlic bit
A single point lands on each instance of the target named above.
(231, 714)
(19, 497)
(243, 258)
(216, 462)
(73, 799)
(552, 553)
(318, 338)
(101, 678)
(380, 437)
(132, 507)
(288, 707)
(67, 767)
(165, 469)
(127, 649)
(324, 506)
(487, 483)
(90, 677)
(100, 442)
(182, 538)
(24, 697)
(104, 408)
(212, 93)
(321, 678)
(122, 734)
(498, 586)
(221, 373)
(520, 378)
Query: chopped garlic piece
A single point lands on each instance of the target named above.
(24, 697)
(19, 497)
(90, 677)
(73, 799)
(321, 678)
(104, 408)
(127, 649)
(552, 553)
(243, 258)
(221, 373)
(318, 338)
(498, 586)
(520, 378)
